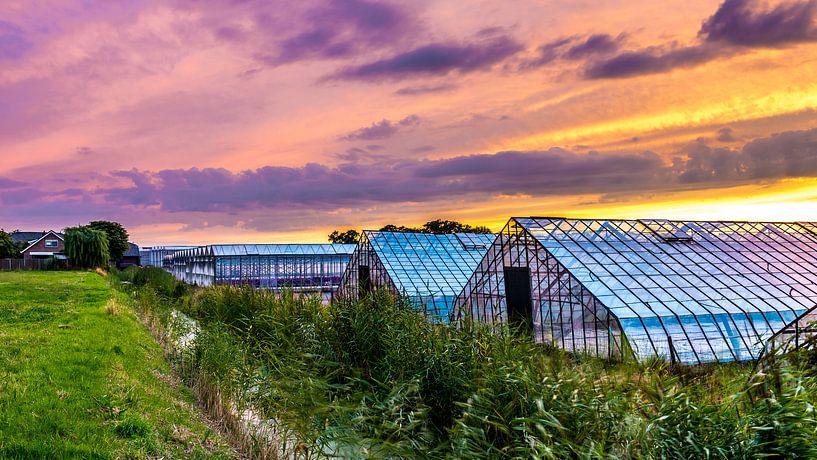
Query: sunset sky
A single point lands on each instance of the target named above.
(263, 121)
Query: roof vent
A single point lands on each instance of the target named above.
(470, 241)
(668, 231)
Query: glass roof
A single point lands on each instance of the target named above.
(715, 290)
(428, 265)
(279, 249)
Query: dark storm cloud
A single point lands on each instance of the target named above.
(382, 129)
(735, 26)
(435, 59)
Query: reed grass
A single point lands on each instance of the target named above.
(373, 378)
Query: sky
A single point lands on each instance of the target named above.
(219, 121)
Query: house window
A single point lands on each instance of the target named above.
(51, 243)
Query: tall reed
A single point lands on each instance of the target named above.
(373, 378)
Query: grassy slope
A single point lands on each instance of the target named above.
(96, 388)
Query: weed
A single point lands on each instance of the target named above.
(132, 427)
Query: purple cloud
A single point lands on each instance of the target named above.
(733, 26)
(343, 28)
(13, 43)
(789, 154)
(6, 183)
(594, 45)
(382, 129)
(736, 24)
(550, 172)
(726, 135)
(537, 173)
(435, 59)
(211, 195)
(650, 60)
(574, 48)
(425, 89)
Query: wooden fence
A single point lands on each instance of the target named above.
(26, 264)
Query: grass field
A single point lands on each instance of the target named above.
(81, 378)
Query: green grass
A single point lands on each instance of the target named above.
(80, 377)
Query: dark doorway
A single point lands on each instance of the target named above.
(364, 280)
(518, 298)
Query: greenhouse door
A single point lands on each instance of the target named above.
(364, 280)
(517, 296)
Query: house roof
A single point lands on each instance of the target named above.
(30, 236)
(44, 235)
(133, 251)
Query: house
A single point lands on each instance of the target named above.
(131, 257)
(41, 245)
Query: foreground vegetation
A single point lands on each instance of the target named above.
(81, 378)
(374, 379)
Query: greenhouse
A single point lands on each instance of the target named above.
(429, 269)
(309, 267)
(690, 292)
(154, 256)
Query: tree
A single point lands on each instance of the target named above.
(401, 229)
(8, 248)
(481, 229)
(440, 226)
(346, 237)
(117, 237)
(87, 247)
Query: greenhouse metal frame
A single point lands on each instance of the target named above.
(430, 270)
(302, 267)
(154, 256)
(688, 291)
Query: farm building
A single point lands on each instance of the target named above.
(131, 257)
(429, 269)
(312, 267)
(691, 292)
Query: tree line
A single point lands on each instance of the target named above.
(438, 226)
(92, 245)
